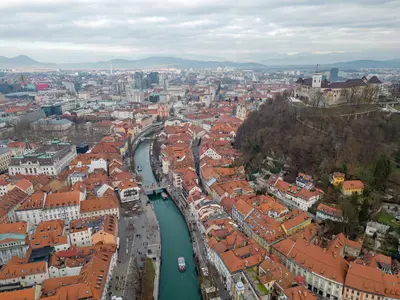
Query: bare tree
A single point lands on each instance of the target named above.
(369, 94)
(395, 89)
(317, 98)
(350, 95)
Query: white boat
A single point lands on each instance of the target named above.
(164, 195)
(181, 264)
(139, 168)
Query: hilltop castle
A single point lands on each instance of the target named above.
(324, 93)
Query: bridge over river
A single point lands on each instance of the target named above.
(154, 188)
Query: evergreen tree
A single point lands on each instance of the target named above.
(382, 170)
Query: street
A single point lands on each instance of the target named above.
(137, 233)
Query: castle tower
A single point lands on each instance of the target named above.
(316, 79)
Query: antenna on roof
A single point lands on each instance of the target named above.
(316, 69)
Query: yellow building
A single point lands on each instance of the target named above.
(352, 186)
(337, 178)
(297, 223)
(108, 233)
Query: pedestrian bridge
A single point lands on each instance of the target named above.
(154, 188)
(146, 138)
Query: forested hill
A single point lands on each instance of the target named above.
(314, 140)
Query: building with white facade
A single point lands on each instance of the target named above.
(210, 152)
(128, 191)
(375, 227)
(241, 111)
(134, 95)
(25, 274)
(67, 268)
(49, 159)
(89, 160)
(31, 210)
(3, 187)
(323, 270)
(5, 159)
(301, 197)
(64, 206)
(99, 207)
(240, 211)
(50, 234)
(327, 212)
(13, 241)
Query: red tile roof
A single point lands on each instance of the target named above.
(353, 184)
(325, 263)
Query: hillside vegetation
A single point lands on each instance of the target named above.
(317, 142)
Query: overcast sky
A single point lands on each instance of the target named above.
(256, 30)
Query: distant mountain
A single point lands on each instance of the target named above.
(165, 62)
(172, 62)
(347, 65)
(23, 61)
(20, 60)
(359, 64)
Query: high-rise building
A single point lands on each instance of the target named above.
(134, 95)
(333, 75)
(138, 79)
(70, 86)
(154, 78)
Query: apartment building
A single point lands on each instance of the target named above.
(99, 207)
(31, 210)
(3, 187)
(64, 206)
(50, 234)
(9, 204)
(369, 283)
(17, 272)
(5, 159)
(100, 230)
(128, 191)
(324, 271)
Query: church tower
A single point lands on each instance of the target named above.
(316, 79)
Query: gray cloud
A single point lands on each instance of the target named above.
(77, 30)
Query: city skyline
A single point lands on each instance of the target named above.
(260, 31)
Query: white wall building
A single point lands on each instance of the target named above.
(24, 274)
(3, 188)
(81, 238)
(13, 241)
(5, 159)
(210, 153)
(128, 191)
(63, 270)
(64, 206)
(31, 210)
(49, 160)
(375, 227)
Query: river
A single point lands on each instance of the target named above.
(175, 240)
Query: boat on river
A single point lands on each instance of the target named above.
(164, 195)
(139, 168)
(181, 264)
